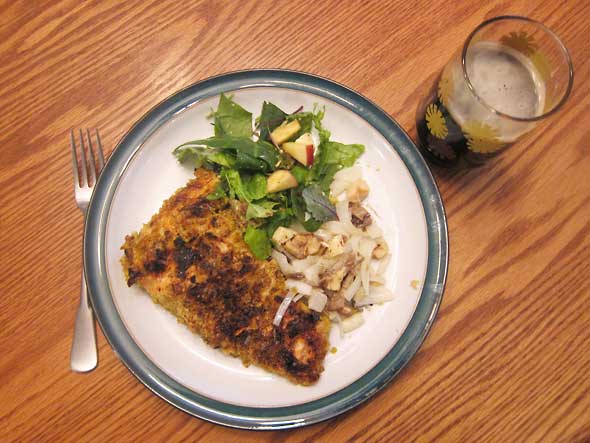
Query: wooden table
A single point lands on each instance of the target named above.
(508, 359)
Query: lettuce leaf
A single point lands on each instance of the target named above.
(254, 186)
(244, 165)
(261, 209)
(258, 242)
(194, 155)
(219, 192)
(243, 186)
(330, 158)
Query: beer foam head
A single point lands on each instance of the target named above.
(505, 80)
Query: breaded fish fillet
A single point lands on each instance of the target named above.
(192, 260)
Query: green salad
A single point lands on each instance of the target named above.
(272, 166)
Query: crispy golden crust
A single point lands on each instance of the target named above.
(192, 260)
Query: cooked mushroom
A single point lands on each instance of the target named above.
(336, 302)
(282, 235)
(360, 216)
(335, 246)
(302, 245)
(332, 278)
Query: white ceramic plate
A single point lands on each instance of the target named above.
(148, 173)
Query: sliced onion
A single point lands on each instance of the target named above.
(374, 231)
(322, 234)
(383, 263)
(366, 247)
(349, 292)
(317, 301)
(355, 242)
(283, 262)
(283, 308)
(365, 250)
(301, 265)
(299, 286)
(376, 279)
(338, 187)
(334, 228)
(344, 178)
(343, 212)
(297, 298)
(359, 296)
(351, 323)
(379, 294)
(312, 274)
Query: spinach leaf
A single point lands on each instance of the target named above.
(271, 117)
(250, 155)
(221, 158)
(231, 119)
(318, 204)
(258, 242)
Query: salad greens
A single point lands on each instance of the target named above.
(244, 158)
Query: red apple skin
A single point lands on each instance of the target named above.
(309, 155)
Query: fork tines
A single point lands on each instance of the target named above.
(90, 163)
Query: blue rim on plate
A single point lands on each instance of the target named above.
(280, 417)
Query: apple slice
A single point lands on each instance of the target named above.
(305, 139)
(309, 150)
(285, 132)
(297, 150)
(280, 180)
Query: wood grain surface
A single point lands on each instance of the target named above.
(508, 359)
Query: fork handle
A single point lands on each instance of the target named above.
(84, 356)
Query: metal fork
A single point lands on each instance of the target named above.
(84, 357)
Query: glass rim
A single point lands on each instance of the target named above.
(549, 32)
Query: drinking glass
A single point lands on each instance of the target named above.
(511, 73)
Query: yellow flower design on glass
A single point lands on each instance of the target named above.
(482, 138)
(436, 122)
(445, 88)
(520, 41)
